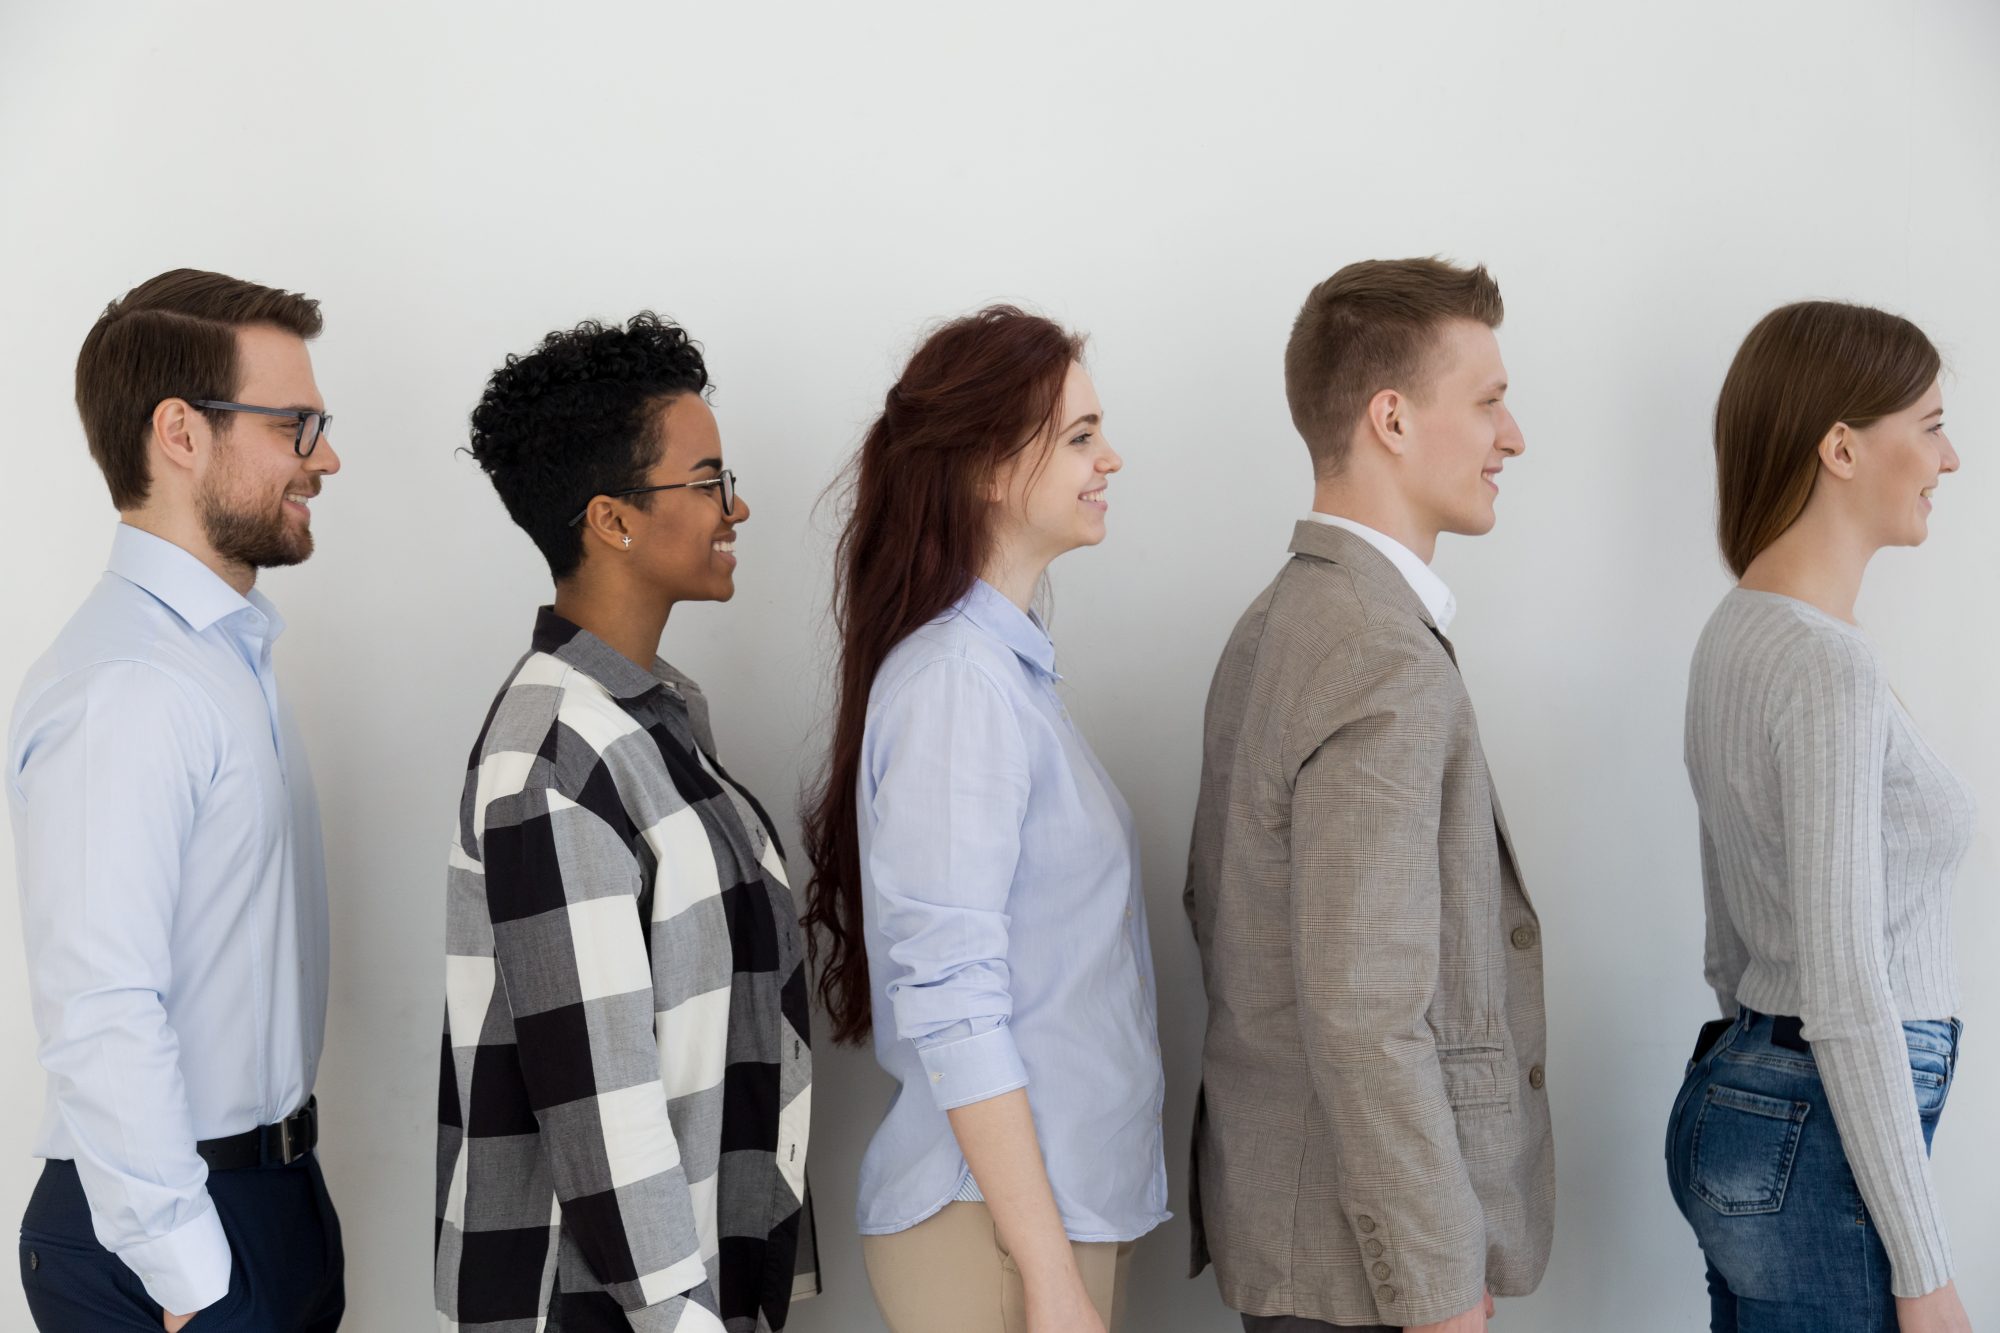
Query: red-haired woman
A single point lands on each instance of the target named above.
(976, 891)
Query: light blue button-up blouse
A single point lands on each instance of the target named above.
(1005, 928)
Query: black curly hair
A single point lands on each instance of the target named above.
(577, 417)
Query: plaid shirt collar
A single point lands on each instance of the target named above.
(617, 673)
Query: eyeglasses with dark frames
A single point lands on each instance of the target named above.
(312, 424)
(725, 479)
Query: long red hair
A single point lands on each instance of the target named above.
(977, 393)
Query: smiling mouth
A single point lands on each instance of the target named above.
(1095, 497)
(724, 546)
(303, 499)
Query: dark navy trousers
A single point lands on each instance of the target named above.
(286, 1273)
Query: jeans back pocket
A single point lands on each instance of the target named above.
(1744, 1146)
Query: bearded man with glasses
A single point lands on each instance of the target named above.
(173, 888)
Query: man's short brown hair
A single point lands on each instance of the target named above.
(1373, 326)
(173, 336)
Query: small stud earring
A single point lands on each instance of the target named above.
(628, 539)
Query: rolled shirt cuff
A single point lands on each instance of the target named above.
(188, 1268)
(972, 1069)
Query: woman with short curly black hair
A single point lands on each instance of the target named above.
(624, 992)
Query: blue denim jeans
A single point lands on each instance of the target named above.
(1756, 1166)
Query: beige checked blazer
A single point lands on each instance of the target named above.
(1371, 1144)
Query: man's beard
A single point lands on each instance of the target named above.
(244, 535)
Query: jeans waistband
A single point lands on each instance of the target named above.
(1937, 1035)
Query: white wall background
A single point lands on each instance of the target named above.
(805, 186)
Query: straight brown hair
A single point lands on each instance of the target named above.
(978, 392)
(1804, 369)
(1373, 326)
(173, 336)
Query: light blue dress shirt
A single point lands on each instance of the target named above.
(1005, 928)
(173, 896)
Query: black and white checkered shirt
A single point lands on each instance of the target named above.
(626, 1084)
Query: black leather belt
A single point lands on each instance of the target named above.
(267, 1145)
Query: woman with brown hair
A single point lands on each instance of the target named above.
(1799, 1144)
(976, 894)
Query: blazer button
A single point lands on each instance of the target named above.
(34, 1260)
(1524, 937)
(1382, 1270)
(1365, 1222)
(1374, 1249)
(1535, 1077)
(1385, 1294)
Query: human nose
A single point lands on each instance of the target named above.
(324, 459)
(1110, 462)
(1947, 456)
(1511, 442)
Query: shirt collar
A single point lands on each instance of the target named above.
(617, 673)
(1423, 580)
(988, 609)
(186, 586)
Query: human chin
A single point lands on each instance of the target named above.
(253, 535)
(1475, 515)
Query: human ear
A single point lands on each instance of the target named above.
(1387, 411)
(605, 521)
(178, 433)
(1836, 451)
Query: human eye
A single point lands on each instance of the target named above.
(1084, 437)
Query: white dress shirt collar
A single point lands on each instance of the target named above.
(1423, 580)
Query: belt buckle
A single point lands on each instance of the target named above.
(285, 1157)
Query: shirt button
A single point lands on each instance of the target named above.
(1365, 1222)
(1374, 1249)
(1385, 1294)
(1382, 1270)
(1536, 1078)
(1524, 937)
(937, 1078)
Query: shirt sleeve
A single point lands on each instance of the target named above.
(108, 767)
(950, 771)
(569, 943)
(1830, 739)
(1724, 954)
(1367, 923)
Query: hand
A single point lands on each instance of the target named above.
(1472, 1321)
(176, 1322)
(1934, 1312)
(1066, 1309)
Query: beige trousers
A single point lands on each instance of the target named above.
(950, 1274)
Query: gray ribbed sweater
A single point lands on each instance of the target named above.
(1829, 836)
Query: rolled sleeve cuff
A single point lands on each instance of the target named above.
(188, 1268)
(972, 1069)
